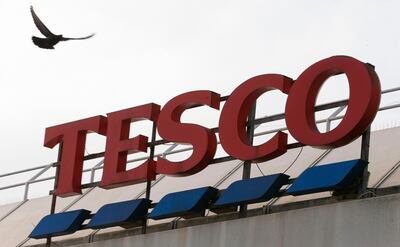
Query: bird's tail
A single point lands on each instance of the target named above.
(42, 43)
(86, 37)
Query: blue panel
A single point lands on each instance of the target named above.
(252, 190)
(184, 203)
(327, 177)
(60, 224)
(120, 213)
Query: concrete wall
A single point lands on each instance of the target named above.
(367, 222)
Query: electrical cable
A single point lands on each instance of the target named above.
(298, 155)
(294, 161)
(260, 169)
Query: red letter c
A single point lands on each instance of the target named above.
(232, 123)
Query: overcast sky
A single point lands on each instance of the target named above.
(150, 51)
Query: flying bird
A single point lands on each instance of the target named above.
(51, 39)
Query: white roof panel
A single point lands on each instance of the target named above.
(384, 155)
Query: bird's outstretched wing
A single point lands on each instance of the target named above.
(39, 24)
(86, 37)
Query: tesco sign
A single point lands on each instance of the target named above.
(364, 87)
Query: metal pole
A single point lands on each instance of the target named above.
(334, 114)
(54, 196)
(365, 142)
(247, 163)
(148, 182)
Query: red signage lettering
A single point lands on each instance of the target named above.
(73, 137)
(202, 139)
(362, 107)
(118, 145)
(233, 119)
(365, 94)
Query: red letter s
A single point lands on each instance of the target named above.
(202, 139)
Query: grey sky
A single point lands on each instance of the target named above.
(150, 51)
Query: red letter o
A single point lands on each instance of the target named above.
(362, 107)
